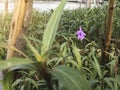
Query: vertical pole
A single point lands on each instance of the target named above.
(5, 11)
(88, 3)
(5, 7)
(20, 43)
(109, 24)
(16, 25)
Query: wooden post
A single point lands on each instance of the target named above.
(5, 7)
(5, 12)
(109, 23)
(20, 43)
(16, 25)
(89, 3)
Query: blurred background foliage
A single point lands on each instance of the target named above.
(91, 20)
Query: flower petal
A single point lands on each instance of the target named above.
(81, 35)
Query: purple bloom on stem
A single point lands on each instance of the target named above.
(81, 35)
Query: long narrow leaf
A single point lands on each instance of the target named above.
(51, 29)
(13, 62)
(35, 52)
(76, 52)
(97, 65)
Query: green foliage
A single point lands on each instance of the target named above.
(70, 79)
(4, 27)
(7, 81)
(28, 77)
(52, 28)
(82, 70)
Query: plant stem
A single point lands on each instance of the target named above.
(47, 77)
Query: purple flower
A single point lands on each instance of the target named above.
(81, 35)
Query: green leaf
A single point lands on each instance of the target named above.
(35, 52)
(117, 79)
(72, 62)
(7, 81)
(109, 82)
(76, 52)
(70, 79)
(32, 82)
(17, 82)
(51, 29)
(97, 67)
(13, 62)
(96, 63)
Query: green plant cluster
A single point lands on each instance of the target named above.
(73, 64)
(4, 31)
